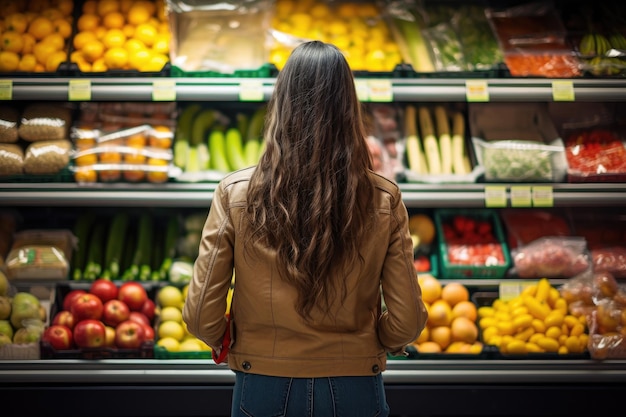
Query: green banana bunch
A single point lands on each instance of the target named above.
(594, 44)
(618, 41)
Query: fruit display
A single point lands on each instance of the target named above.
(423, 234)
(101, 319)
(451, 325)
(600, 300)
(356, 28)
(209, 143)
(125, 246)
(121, 35)
(537, 320)
(596, 154)
(35, 34)
(171, 330)
(124, 142)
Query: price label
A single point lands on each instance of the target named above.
(495, 196)
(79, 90)
(507, 290)
(251, 90)
(6, 89)
(563, 90)
(380, 91)
(476, 91)
(521, 196)
(164, 90)
(362, 90)
(543, 196)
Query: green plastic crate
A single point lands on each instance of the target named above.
(458, 271)
(161, 353)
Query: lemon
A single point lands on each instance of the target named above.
(169, 343)
(185, 291)
(170, 296)
(171, 313)
(171, 329)
(190, 345)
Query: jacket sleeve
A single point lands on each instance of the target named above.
(406, 314)
(205, 305)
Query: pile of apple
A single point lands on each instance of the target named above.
(22, 316)
(104, 315)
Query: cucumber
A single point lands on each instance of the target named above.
(115, 245)
(82, 230)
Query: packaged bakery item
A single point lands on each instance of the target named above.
(11, 159)
(47, 157)
(9, 118)
(45, 121)
(40, 254)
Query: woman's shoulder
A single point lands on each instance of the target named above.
(236, 177)
(383, 184)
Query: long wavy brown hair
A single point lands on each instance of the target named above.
(310, 195)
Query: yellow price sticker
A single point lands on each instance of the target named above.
(6, 89)
(164, 90)
(495, 196)
(362, 90)
(476, 90)
(543, 196)
(563, 90)
(251, 90)
(521, 196)
(79, 90)
(508, 290)
(380, 91)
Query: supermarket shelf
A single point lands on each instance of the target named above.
(201, 194)
(450, 388)
(236, 89)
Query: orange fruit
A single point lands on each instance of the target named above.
(90, 7)
(164, 27)
(454, 292)
(100, 32)
(9, 61)
(87, 159)
(42, 51)
(16, 22)
(161, 137)
(431, 288)
(423, 226)
(99, 66)
(88, 21)
(55, 59)
(464, 330)
(138, 14)
(423, 337)
(442, 335)
(155, 64)
(65, 6)
(62, 27)
(29, 43)
(85, 175)
(113, 20)
(93, 50)
(105, 7)
(114, 38)
(145, 33)
(27, 63)
(134, 175)
(83, 38)
(39, 67)
(133, 44)
(129, 30)
(52, 14)
(125, 5)
(465, 309)
(116, 58)
(158, 175)
(138, 58)
(40, 27)
(428, 347)
(136, 141)
(439, 314)
(56, 40)
(12, 42)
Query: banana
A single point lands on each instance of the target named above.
(618, 41)
(202, 122)
(242, 122)
(183, 128)
(255, 127)
(234, 149)
(594, 44)
(217, 153)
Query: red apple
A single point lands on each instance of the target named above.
(129, 335)
(89, 333)
(59, 336)
(139, 318)
(114, 312)
(64, 318)
(69, 298)
(149, 332)
(87, 306)
(109, 336)
(133, 294)
(105, 290)
(149, 309)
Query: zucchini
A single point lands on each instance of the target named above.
(458, 144)
(129, 250)
(115, 245)
(82, 230)
(95, 256)
(431, 148)
(141, 257)
(172, 232)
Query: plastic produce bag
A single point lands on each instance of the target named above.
(9, 118)
(11, 159)
(47, 157)
(552, 257)
(38, 254)
(43, 121)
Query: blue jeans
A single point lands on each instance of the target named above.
(270, 396)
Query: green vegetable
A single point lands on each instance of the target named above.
(115, 245)
(82, 229)
(181, 272)
(95, 257)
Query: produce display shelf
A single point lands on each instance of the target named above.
(201, 194)
(232, 89)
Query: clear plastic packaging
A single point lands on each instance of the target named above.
(47, 157)
(40, 254)
(9, 119)
(11, 159)
(551, 257)
(43, 121)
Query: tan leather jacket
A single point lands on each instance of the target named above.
(270, 338)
